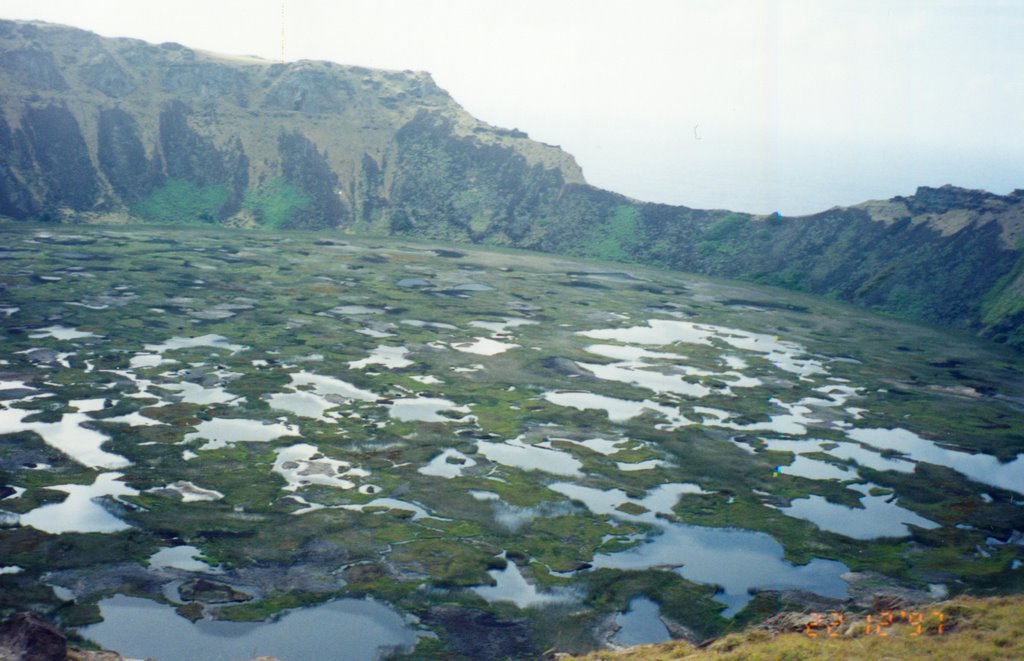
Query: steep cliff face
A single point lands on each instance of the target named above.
(94, 125)
(94, 128)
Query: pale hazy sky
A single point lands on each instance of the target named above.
(789, 105)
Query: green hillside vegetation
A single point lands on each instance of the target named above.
(276, 203)
(181, 201)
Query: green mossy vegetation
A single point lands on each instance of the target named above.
(617, 241)
(269, 605)
(180, 201)
(275, 203)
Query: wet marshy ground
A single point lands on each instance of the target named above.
(485, 448)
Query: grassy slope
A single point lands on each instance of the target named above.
(976, 629)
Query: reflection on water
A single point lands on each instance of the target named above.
(218, 432)
(301, 403)
(498, 327)
(340, 630)
(448, 464)
(650, 464)
(323, 396)
(639, 374)
(59, 333)
(67, 435)
(390, 357)
(356, 310)
(190, 493)
(814, 469)
(635, 367)
(212, 341)
(879, 517)
(640, 625)
(302, 465)
(143, 360)
(424, 409)
(661, 332)
(618, 410)
(979, 467)
(491, 346)
(484, 346)
(180, 557)
(193, 393)
(329, 385)
(512, 586)
(515, 452)
(81, 510)
(659, 500)
(839, 449)
(417, 512)
(735, 560)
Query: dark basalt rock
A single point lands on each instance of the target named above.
(26, 637)
(476, 634)
(882, 603)
(308, 88)
(42, 355)
(305, 167)
(129, 577)
(191, 612)
(944, 198)
(207, 81)
(121, 154)
(565, 366)
(56, 142)
(16, 393)
(790, 622)
(187, 154)
(106, 75)
(210, 592)
(34, 67)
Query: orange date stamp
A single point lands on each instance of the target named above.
(828, 625)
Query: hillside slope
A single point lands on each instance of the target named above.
(972, 628)
(94, 128)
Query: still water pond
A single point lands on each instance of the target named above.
(735, 560)
(340, 630)
(640, 625)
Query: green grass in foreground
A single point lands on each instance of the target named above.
(972, 629)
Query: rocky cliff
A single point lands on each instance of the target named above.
(946, 255)
(165, 133)
(95, 128)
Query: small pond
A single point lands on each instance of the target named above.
(979, 467)
(81, 511)
(512, 586)
(640, 624)
(340, 630)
